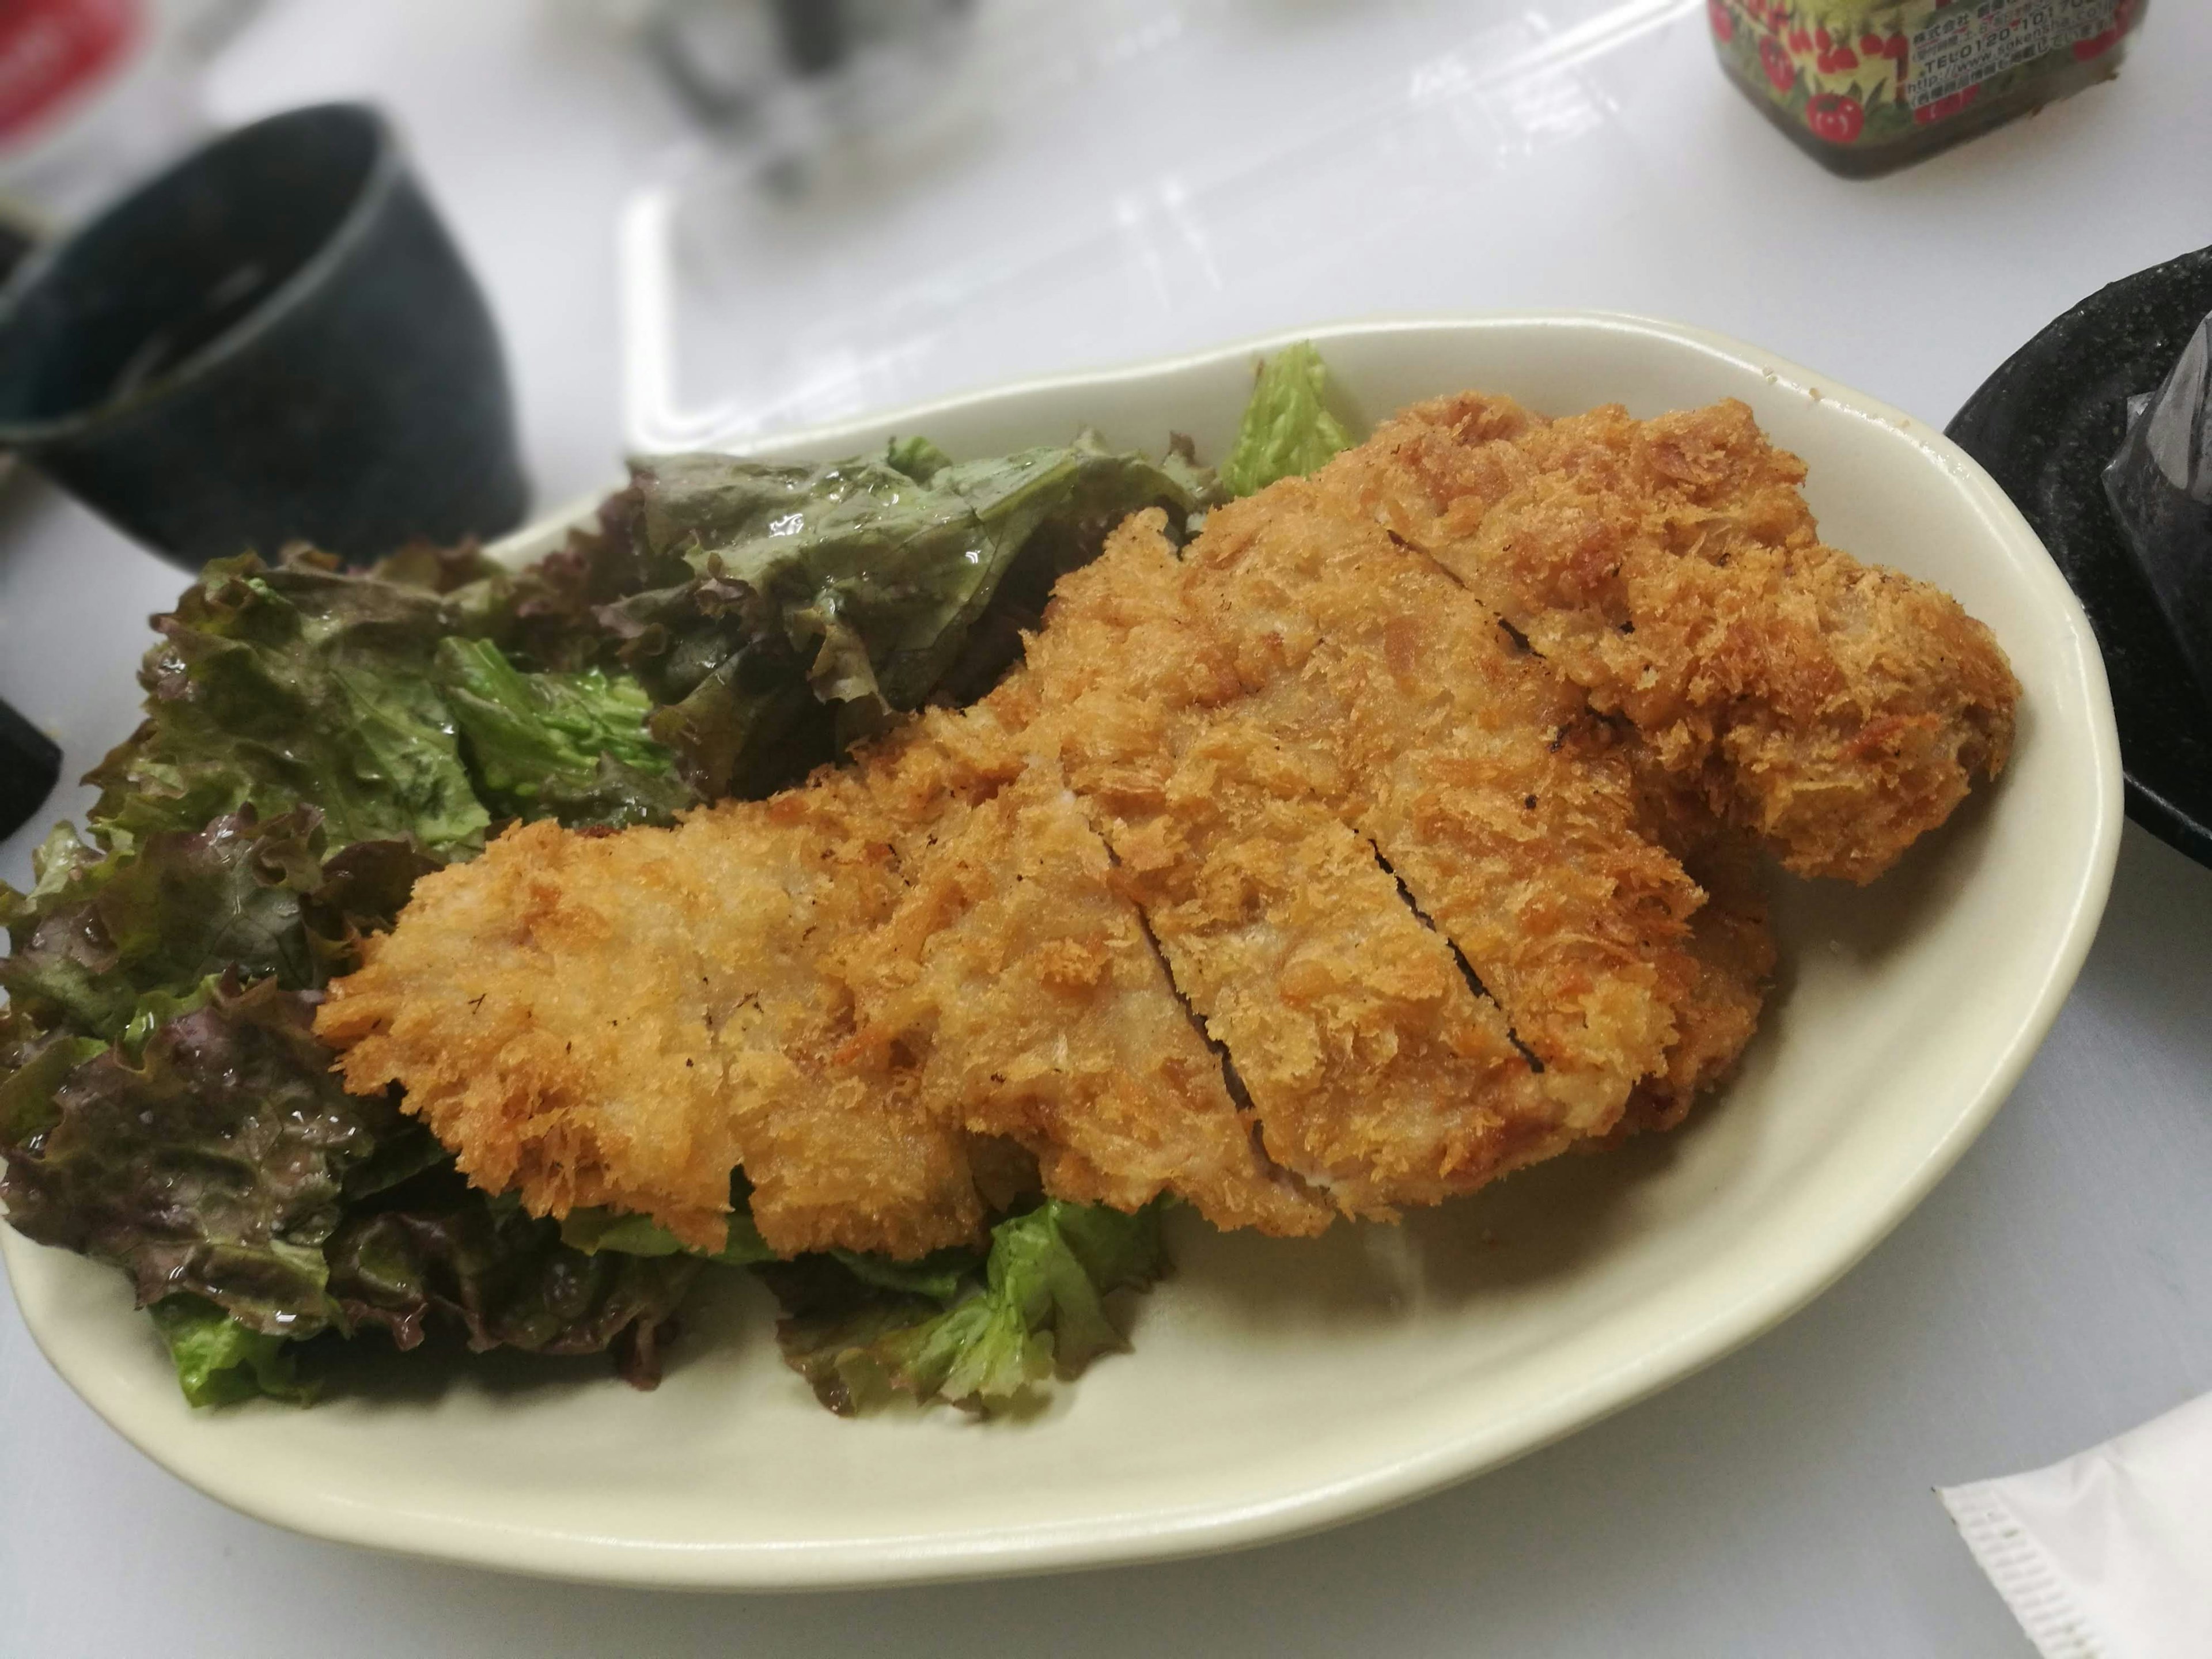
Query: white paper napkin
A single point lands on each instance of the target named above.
(2107, 1555)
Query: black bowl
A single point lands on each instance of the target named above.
(275, 338)
(2045, 425)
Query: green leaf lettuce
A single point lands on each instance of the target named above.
(823, 598)
(287, 686)
(568, 745)
(1040, 1311)
(220, 1362)
(1287, 430)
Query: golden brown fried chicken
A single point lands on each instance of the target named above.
(1019, 985)
(1730, 948)
(1467, 763)
(1670, 568)
(836, 990)
(626, 1020)
(1401, 831)
(1376, 1071)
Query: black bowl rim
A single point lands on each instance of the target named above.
(2146, 804)
(387, 168)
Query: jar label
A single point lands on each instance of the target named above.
(1854, 73)
(1962, 45)
(52, 49)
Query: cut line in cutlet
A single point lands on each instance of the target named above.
(1230, 1079)
(1025, 988)
(1469, 766)
(1459, 956)
(1377, 1075)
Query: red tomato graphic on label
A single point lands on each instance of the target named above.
(2098, 44)
(1835, 118)
(1779, 70)
(50, 50)
(1723, 25)
(1944, 108)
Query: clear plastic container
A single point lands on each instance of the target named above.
(1093, 184)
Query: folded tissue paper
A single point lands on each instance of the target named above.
(2107, 1555)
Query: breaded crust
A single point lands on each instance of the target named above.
(1378, 1073)
(1401, 831)
(1466, 765)
(1670, 568)
(1019, 985)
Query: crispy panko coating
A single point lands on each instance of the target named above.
(1403, 829)
(1378, 1072)
(626, 1020)
(1021, 986)
(823, 989)
(1469, 767)
(1669, 568)
(1731, 947)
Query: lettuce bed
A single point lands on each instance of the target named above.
(316, 739)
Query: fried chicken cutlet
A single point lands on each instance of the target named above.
(1331, 865)
(1669, 568)
(1474, 771)
(844, 990)
(1377, 1072)
(812, 989)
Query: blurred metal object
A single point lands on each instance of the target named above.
(792, 74)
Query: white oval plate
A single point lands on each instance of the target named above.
(1281, 1387)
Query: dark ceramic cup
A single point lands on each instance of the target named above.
(275, 340)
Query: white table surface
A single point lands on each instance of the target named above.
(2055, 1290)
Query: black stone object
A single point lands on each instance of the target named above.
(275, 339)
(2045, 425)
(30, 766)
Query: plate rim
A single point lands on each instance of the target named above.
(1763, 1301)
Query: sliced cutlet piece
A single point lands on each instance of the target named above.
(840, 1147)
(540, 1006)
(1474, 769)
(1731, 947)
(1671, 569)
(1022, 987)
(626, 1020)
(1378, 1072)
(856, 992)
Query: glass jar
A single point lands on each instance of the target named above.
(1864, 86)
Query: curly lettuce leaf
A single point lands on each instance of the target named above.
(103, 945)
(1287, 430)
(1040, 1311)
(567, 745)
(220, 1362)
(213, 1164)
(591, 1230)
(95, 938)
(287, 686)
(822, 600)
(439, 1249)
